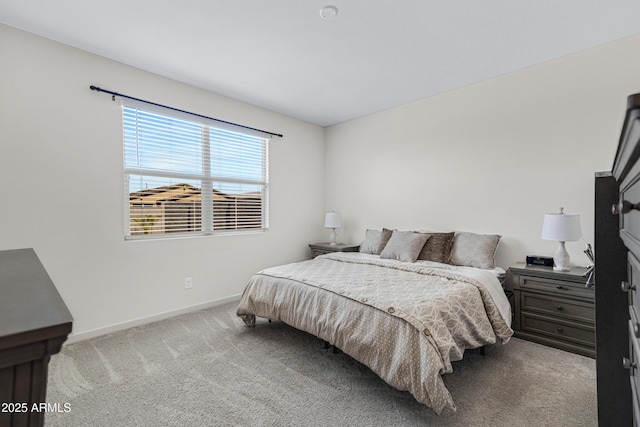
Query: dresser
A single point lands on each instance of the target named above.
(623, 269)
(553, 307)
(34, 322)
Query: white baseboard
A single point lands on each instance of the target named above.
(73, 338)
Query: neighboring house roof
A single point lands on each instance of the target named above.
(173, 193)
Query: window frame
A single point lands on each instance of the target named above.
(207, 177)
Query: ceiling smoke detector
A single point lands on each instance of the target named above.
(329, 12)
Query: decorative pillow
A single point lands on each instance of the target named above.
(375, 241)
(474, 250)
(371, 242)
(386, 235)
(404, 246)
(437, 248)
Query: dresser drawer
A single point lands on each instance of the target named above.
(551, 286)
(318, 249)
(630, 221)
(634, 375)
(566, 331)
(558, 307)
(633, 279)
(318, 252)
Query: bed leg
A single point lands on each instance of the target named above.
(335, 350)
(269, 320)
(482, 350)
(326, 344)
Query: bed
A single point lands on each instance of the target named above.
(406, 305)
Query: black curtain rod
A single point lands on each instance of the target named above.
(97, 89)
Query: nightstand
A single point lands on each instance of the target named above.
(553, 307)
(325, 248)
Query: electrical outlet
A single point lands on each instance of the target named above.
(188, 283)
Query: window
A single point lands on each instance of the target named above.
(189, 176)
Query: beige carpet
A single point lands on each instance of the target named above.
(207, 369)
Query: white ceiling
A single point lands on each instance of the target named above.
(281, 55)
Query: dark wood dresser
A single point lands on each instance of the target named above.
(34, 322)
(618, 279)
(553, 307)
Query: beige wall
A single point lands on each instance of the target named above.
(62, 193)
(489, 158)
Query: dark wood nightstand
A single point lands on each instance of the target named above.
(325, 248)
(553, 307)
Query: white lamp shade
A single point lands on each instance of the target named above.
(332, 220)
(561, 227)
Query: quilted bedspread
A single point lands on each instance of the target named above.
(407, 322)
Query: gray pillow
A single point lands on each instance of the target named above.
(404, 246)
(375, 241)
(371, 242)
(386, 235)
(474, 250)
(437, 248)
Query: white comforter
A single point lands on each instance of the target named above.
(406, 321)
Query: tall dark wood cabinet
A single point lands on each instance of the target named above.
(617, 251)
(612, 314)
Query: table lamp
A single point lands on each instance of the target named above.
(332, 220)
(562, 228)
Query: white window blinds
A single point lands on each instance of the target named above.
(188, 176)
